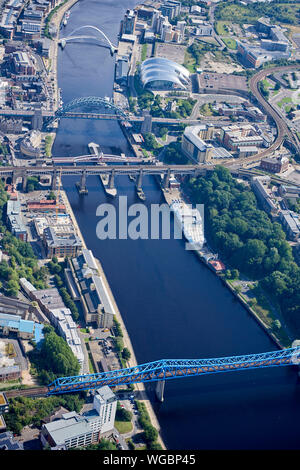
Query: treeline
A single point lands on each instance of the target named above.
(247, 239)
(54, 358)
(173, 154)
(24, 411)
(150, 432)
(147, 100)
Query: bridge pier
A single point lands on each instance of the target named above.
(139, 180)
(147, 123)
(166, 180)
(24, 182)
(82, 184)
(159, 390)
(295, 360)
(111, 181)
(54, 180)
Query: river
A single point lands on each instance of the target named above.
(172, 305)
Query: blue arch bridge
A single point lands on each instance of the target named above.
(167, 369)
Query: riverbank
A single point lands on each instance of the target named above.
(126, 339)
(169, 196)
(53, 53)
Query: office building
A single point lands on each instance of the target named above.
(71, 431)
(85, 283)
(291, 224)
(275, 165)
(105, 403)
(171, 9)
(14, 220)
(24, 329)
(260, 186)
(129, 22)
(61, 246)
(234, 137)
(195, 147)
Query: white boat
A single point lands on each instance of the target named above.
(191, 223)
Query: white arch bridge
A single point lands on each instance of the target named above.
(103, 39)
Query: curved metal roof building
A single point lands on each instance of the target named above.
(160, 73)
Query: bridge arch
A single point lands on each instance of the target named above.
(84, 102)
(92, 102)
(88, 26)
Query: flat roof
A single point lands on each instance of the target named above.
(3, 400)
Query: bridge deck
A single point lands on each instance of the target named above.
(173, 368)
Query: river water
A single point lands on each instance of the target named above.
(172, 305)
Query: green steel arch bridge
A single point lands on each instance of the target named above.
(167, 369)
(88, 107)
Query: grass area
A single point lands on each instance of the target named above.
(84, 330)
(278, 13)
(221, 27)
(144, 52)
(189, 62)
(206, 110)
(267, 84)
(230, 43)
(145, 153)
(123, 426)
(288, 108)
(91, 365)
(284, 101)
(275, 92)
(48, 145)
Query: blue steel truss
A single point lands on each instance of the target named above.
(174, 368)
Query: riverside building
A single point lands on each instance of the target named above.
(87, 285)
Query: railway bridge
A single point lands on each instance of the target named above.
(138, 171)
(167, 369)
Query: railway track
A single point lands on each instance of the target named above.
(282, 128)
(27, 392)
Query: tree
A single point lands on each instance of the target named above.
(150, 433)
(163, 131)
(119, 344)
(150, 141)
(277, 324)
(126, 354)
(122, 414)
(55, 357)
